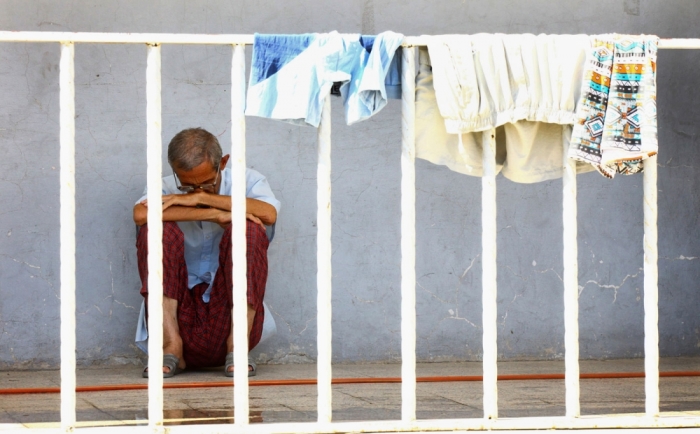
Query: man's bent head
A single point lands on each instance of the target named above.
(192, 147)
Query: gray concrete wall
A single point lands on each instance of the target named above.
(110, 98)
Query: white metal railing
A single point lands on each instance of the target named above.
(571, 371)
(408, 422)
(240, 281)
(408, 237)
(155, 235)
(323, 261)
(67, 235)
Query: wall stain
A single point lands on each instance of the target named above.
(632, 7)
(368, 18)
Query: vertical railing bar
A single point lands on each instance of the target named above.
(67, 234)
(571, 327)
(154, 185)
(323, 258)
(408, 236)
(651, 289)
(238, 237)
(489, 275)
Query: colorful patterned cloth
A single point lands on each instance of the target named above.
(615, 127)
(205, 327)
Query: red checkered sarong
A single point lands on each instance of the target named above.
(205, 327)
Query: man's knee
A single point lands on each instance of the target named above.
(173, 256)
(255, 233)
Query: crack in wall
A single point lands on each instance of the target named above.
(610, 286)
(457, 286)
(113, 293)
(471, 264)
(512, 228)
(306, 325)
(20, 261)
(432, 294)
(515, 296)
(282, 318)
(355, 297)
(32, 275)
(371, 241)
(680, 258)
(454, 314)
(548, 270)
(667, 165)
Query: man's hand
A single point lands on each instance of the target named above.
(254, 219)
(196, 199)
(223, 219)
(193, 199)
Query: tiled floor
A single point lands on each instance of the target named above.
(381, 401)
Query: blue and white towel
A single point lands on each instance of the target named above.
(292, 74)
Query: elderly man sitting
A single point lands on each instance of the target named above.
(197, 264)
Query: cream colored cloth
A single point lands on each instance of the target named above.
(487, 80)
(526, 151)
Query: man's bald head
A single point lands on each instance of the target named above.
(192, 147)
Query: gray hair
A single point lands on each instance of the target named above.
(192, 147)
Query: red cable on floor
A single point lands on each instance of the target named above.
(365, 380)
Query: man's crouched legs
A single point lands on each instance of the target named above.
(256, 256)
(200, 333)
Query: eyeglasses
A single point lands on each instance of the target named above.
(190, 188)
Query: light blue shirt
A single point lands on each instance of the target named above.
(291, 75)
(202, 238)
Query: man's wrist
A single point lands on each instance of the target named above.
(208, 200)
(221, 217)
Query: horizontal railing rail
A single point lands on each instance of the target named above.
(214, 39)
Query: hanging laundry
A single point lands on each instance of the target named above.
(487, 80)
(616, 124)
(526, 86)
(292, 74)
(392, 82)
